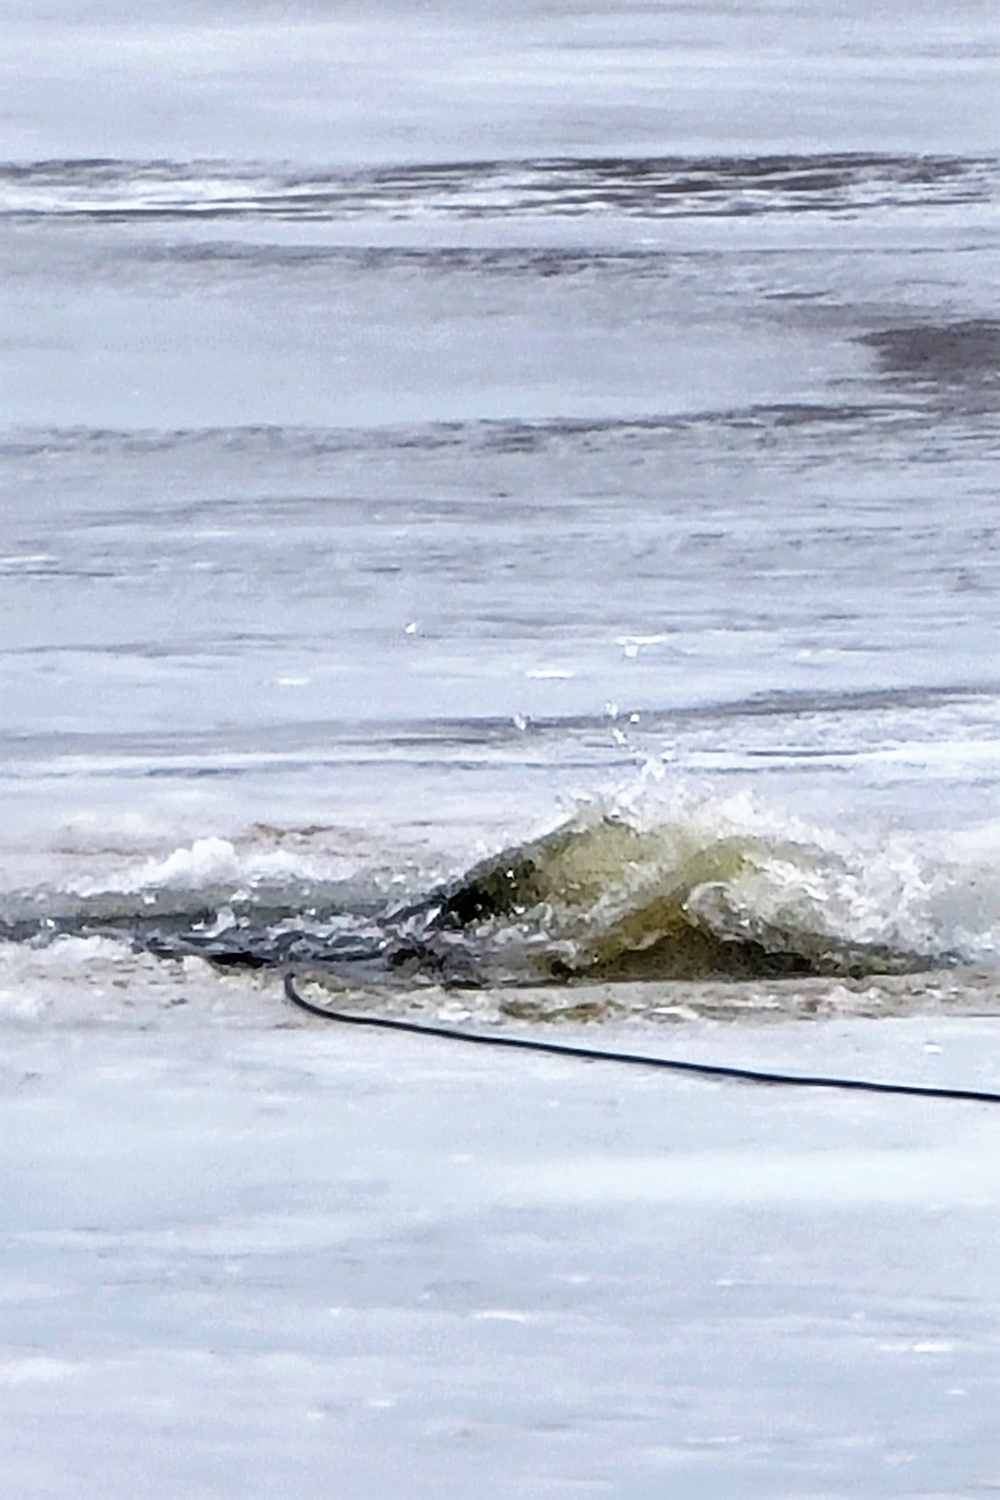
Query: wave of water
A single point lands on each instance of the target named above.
(647, 887)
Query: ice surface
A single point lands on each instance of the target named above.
(303, 1261)
(363, 547)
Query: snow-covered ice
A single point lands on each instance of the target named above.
(302, 1260)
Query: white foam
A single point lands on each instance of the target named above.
(211, 862)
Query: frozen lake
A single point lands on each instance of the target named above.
(498, 502)
(277, 1262)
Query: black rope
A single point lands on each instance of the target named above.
(638, 1059)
